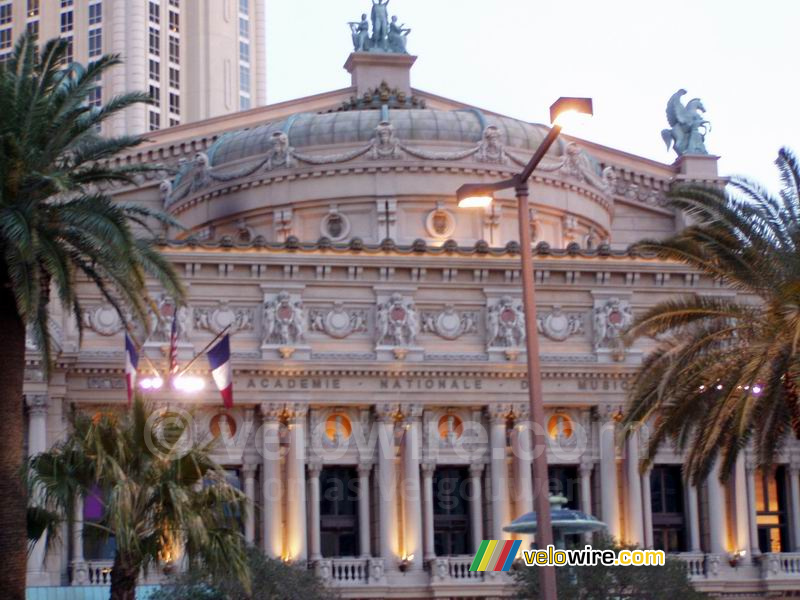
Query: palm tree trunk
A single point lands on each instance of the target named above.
(13, 534)
(123, 579)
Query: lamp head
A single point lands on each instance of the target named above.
(567, 108)
(474, 196)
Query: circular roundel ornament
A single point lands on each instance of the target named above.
(448, 325)
(615, 317)
(508, 316)
(398, 314)
(285, 312)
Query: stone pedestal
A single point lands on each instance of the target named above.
(369, 69)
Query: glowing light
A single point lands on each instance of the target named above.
(702, 387)
(756, 389)
(475, 202)
(151, 383)
(189, 384)
(719, 386)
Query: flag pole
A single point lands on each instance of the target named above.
(203, 351)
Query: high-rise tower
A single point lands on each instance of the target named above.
(197, 59)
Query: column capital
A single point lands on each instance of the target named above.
(364, 468)
(386, 413)
(586, 467)
(297, 412)
(522, 411)
(37, 403)
(249, 468)
(411, 412)
(314, 468)
(498, 413)
(428, 468)
(476, 469)
(272, 411)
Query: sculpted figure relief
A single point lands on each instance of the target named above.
(505, 324)
(284, 323)
(385, 144)
(688, 127)
(610, 320)
(397, 322)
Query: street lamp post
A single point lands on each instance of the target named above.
(477, 195)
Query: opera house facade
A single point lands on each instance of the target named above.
(378, 344)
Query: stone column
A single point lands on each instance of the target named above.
(523, 456)
(750, 484)
(387, 488)
(634, 481)
(794, 496)
(427, 509)
(693, 516)
(272, 528)
(249, 473)
(296, 518)
(315, 545)
(499, 470)
(80, 573)
(412, 509)
(717, 515)
(585, 470)
(476, 505)
(609, 490)
(742, 517)
(647, 506)
(363, 510)
(37, 443)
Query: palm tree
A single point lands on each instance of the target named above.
(724, 372)
(162, 493)
(56, 226)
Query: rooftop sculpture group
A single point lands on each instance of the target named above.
(387, 36)
(689, 127)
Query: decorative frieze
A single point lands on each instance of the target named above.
(397, 322)
(505, 324)
(224, 316)
(449, 323)
(611, 317)
(338, 322)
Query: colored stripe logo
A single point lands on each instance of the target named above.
(495, 555)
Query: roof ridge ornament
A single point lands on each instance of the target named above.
(387, 35)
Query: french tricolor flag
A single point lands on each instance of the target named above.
(219, 357)
(131, 364)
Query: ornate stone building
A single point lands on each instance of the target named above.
(378, 344)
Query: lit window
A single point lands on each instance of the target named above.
(244, 51)
(244, 28)
(174, 49)
(155, 70)
(244, 79)
(5, 14)
(155, 41)
(33, 8)
(771, 503)
(174, 22)
(560, 426)
(175, 104)
(96, 96)
(155, 94)
(155, 13)
(95, 13)
(33, 28)
(67, 19)
(338, 426)
(174, 78)
(244, 102)
(95, 42)
(155, 121)
(5, 38)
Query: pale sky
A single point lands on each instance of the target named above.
(515, 57)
